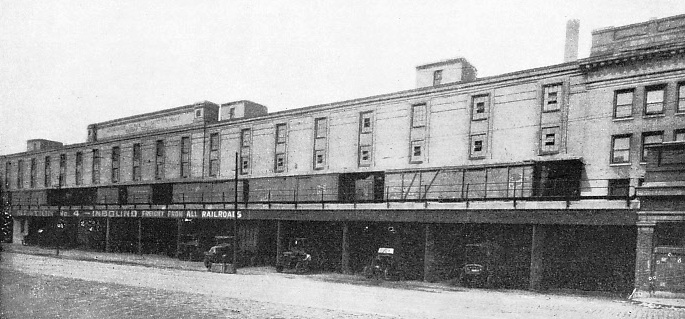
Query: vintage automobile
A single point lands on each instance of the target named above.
(296, 258)
(482, 266)
(48, 236)
(191, 247)
(382, 266)
(221, 253)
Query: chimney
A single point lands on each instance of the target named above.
(571, 47)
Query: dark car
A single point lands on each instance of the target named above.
(48, 236)
(296, 258)
(382, 266)
(482, 267)
(221, 253)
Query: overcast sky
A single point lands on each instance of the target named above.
(67, 64)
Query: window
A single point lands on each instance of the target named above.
(319, 159)
(549, 142)
(244, 164)
(79, 168)
(366, 123)
(198, 113)
(620, 149)
(320, 127)
(279, 165)
(280, 133)
(20, 174)
(681, 98)
(185, 157)
(654, 97)
(551, 98)
(623, 103)
(437, 77)
(245, 137)
(679, 135)
(32, 180)
(478, 146)
(650, 138)
(619, 187)
(418, 115)
(96, 167)
(48, 172)
(62, 170)
(8, 166)
(116, 155)
(417, 152)
(160, 159)
(136, 162)
(365, 155)
(479, 106)
(231, 113)
(214, 144)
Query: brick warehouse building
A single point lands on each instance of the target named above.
(545, 163)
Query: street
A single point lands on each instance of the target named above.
(48, 287)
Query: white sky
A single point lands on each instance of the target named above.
(67, 64)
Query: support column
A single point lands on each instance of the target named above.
(429, 255)
(345, 261)
(179, 223)
(537, 257)
(643, 258)
(279, 241)
(140, 236)
(107, 248)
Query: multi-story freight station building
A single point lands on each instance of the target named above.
(545, 163)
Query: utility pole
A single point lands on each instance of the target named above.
(235, 217)
(60, 198)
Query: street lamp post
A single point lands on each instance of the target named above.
(235, 217)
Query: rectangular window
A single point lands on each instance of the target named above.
(623, 103)
(245, 137)
(280, 133)
(650, 138)
(279, 165)
(437, 77)
(62, 170)
(160, 159)
(478, 146)
(32, 181)
(479, 107)
(20, 174)
(320, 127)
(319, 159)
(681, 98)
(244, 164)
(620, 149)
(136, 162)
(679, 135)
(549, 142)
(214, 145)
(79, 168)
(365, 155)
(116, 155)
(619, 187)
(418, 115)
(654, 100)
(231, 113)
(417, 152)
(551, 98)
(48, 172)
(185, 157)
(366, 122)
(8, 167)
(96, 166)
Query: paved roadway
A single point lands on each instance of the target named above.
(47, 287)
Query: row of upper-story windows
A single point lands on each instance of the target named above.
(654, 101)
(621, 145)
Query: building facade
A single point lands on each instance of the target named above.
(544, 162)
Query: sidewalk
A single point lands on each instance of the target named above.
(160, 261)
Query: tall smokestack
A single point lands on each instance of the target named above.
(571, 47)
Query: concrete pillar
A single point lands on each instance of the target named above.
(179, 223)
(537, 257)
(345, 261)
(18, 227)
(430, 254)
(643, 258)
(140, 236)
(107, 236)
(279, 241)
